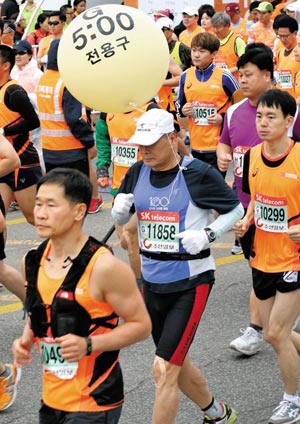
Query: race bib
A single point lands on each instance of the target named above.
(271, 213)
(201, 111)
(285, 79)
(54, 363)
(238, 160)
(220, 62)
(124, 155)
(157, 231)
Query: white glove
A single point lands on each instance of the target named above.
(193, 241)
(122, 204)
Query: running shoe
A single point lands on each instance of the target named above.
(285, 412)
(236, 248)
(8, 386)
(14, 206)
(249, 343)
(229, 416)
(95, 205)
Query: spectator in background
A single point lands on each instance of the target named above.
(68, 11)
(79, 7)
(27, 73)
(41, 30)
(56, 25)
(190, 21)
(166, 13)
(8, 35)
(28, 10)
(19, 29)
(9, 10)
(206, 12)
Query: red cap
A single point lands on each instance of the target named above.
(232, 8)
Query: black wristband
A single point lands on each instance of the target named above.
(88, 346)
(102, 172)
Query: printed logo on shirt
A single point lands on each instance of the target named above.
(290, 276)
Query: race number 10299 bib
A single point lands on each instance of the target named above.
(54, 363)
(271, 213)
(201, 111)
(157, 230)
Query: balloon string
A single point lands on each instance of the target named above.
(134, 105)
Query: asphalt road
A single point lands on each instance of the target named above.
(251, 385)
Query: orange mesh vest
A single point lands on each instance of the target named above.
(95, 382)
(207, 98)
(165, 98)
(55, 134)
(276, 207)
(287, 67)
(241, 30)
(226, 56)
(121, 126)
(8, 117)
(186, 37)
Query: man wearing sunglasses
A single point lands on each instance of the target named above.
(56, 24)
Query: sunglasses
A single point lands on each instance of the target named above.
(54, 23)
(22, 53)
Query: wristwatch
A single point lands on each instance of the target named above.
(211, 235)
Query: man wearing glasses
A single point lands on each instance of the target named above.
(69, 12)
(56, 24)
(285, 62)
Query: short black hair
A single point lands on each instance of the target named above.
(62, 16)
(77, 186)
(7, 55)
(279, 99)
(288, 22)
(260, 55)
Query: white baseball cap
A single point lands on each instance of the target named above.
(151, 126)
(191, 11)
(165, 23)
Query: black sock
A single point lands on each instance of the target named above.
(258, 328)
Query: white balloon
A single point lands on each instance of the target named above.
(113, 58)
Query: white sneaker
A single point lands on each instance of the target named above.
(285, 412)
(249, 343)
(236, 248)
